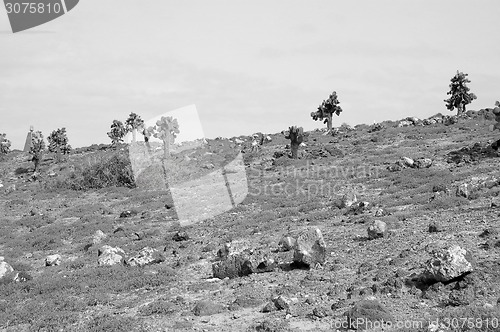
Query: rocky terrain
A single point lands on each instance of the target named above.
(386, 227)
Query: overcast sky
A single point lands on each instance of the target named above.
(248, 66)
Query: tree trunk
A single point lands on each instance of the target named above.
(295, 148)
(329, 122)
(133, 135)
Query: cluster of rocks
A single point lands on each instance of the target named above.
(108, 256)
(474, 153)
(475, 184)
(406, 162)
(375, 127)
(436, 119)
(240, 258)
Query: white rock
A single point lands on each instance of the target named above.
(53, 260)
(108, 255)
(377, 229)
(448, 263)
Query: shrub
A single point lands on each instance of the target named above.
(158, 307)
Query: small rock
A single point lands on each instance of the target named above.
(377, 230)
(463, 190)
(98, 237)
(320, 312)
(380, 213)
(53, 260)
(310, 248)
(408, 162)
(108, 255)
(423, 163)
(128, 213)
(269, 307)
(180, 236)
(286, 243)
(434, 227)
(367, 313)
(349, 199)
(281, 303)
(207, 308)
(5, 268)
(147, 256)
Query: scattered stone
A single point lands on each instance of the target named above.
(180, 236)
(53, 260)
(286, 243)
(434, 227)
(349, 199)
(269, 307)
(128, 213)
(208, 166)
(147, 256)
(381, 212)
(310, 248)
(368, 313)
(461, 297)
(320, 312)
(137, 236)
(423, 163)
(463, 190)
(281, 303)
(377, 230)
(408, 162)
(439, 188)
(448, 263)
(207, 308)
(98, 237)
(495, 202)
(108, 255)
(394, 168)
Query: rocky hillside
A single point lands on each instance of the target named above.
(393, 225)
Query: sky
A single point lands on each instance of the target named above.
(248, 66)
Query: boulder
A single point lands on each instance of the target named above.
(108, 255)
(367, 314)
(53, 260)
(448, 262)
(377, 230)
(146, 256)
(310, 248)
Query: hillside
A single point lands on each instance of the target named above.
(453, 200)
